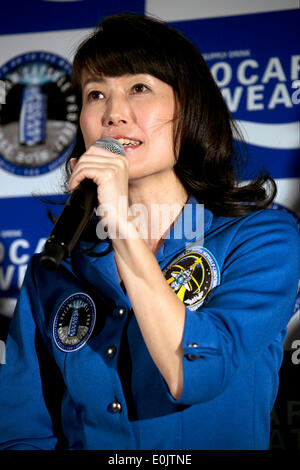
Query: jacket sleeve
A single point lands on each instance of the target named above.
(25, 422)
(247, 311)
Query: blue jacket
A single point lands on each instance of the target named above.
(77, 365)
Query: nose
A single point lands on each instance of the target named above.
(116, 113)
(115, 121)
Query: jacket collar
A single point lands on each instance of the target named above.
(189, 228)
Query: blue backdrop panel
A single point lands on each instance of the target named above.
(23, 233)
(256, 62)
(48, 16)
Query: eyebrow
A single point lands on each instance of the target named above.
(93, 80)
(99, 79)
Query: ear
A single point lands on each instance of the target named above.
(73, 163)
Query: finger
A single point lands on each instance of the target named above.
(96, 174)
(95, 166)
(116, 160)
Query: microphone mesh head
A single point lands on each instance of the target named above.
(112, 145)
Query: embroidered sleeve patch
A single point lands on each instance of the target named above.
(193, 275)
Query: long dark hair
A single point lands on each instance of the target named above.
(207, 163)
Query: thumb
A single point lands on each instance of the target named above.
(73, 163)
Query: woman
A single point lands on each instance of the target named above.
(154, 341)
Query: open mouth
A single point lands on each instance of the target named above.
(127, 143)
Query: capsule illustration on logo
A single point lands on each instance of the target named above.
(33, 115)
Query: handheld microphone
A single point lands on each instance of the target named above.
(76, 214)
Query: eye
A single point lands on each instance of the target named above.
(140, 88)
(95, 95)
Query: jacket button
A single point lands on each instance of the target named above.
(121, 311)
(192, 357)
(115, 407)
(111, 352)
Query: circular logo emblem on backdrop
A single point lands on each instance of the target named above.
(193, 275)
(38, 121)
(74, 322)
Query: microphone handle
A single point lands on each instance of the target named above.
(69, 226)
(76, 214)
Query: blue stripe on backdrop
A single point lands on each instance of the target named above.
(255, 60)
(26, 16)
(278, 163)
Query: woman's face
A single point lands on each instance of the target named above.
(138, 110)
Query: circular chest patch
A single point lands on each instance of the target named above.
(193, 275)
(74, 322)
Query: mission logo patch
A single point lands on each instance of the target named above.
(193, 275)
(74, 322)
